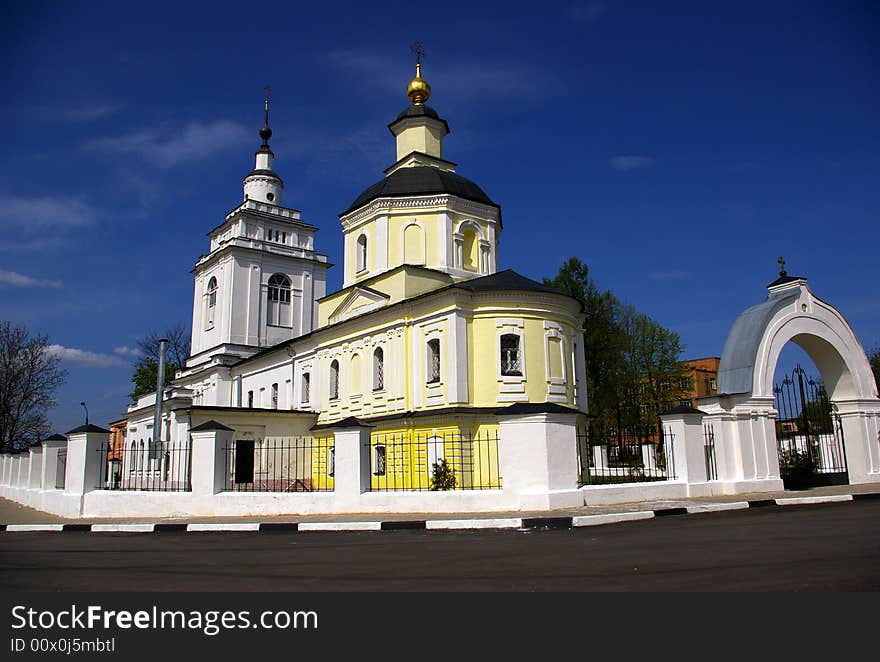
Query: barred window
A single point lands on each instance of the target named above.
(433, 361)
(362, 252)
(334, 380)
(306, 388)
(378, 369)
(379, 460)
(275, 396)
(684, 383)
(510, 361)
(250, 399)
(211, 302)
(279, 300)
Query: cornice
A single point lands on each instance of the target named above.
(390, 205)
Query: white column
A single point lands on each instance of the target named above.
(210, 444)
(84, 459)
(24, 464)
(860, 422)
(51, 449)
(683, 429)
(352, 468)
(538, 458)
(35, 467)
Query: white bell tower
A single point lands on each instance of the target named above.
(259, 283)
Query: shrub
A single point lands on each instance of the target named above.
(443, 476)
(796, 467)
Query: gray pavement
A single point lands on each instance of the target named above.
(13, 513)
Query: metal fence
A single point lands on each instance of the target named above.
(709, 452)
(435, 462)
(607, 457)
(280, 464)
(151, 467)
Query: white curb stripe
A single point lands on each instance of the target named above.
(122, 528)
(503, 523)
(794, 501)
(611, 518)
(224, 526)
(34, 527)
(716, 507)
(340, 526)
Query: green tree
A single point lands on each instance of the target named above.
(632, 362)
(146, 368)
(29, 377)
(874, 359)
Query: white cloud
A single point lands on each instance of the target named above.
(90, 113)
(20, 280)
(125, 350)
(83, 357)
(37, 213)
(630, 162)
(169, 146)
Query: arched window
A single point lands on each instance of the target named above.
(306, 388)
(140, 462)
(279, 300)
(433, 372)
(210, 302)
(510, 355)
(378, 369)
(470, 250)
(334, 379)
(362, 253)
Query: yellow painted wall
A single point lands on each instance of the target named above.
(425, 139)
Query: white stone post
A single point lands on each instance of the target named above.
(24, 465)
(84, 459)
(51, 449)
(351, 476)
(683, 430)
(35, 467)
(210, 442)
(538, 457)
(4, 469)
(860, 423)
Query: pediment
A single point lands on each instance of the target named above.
(359, 301)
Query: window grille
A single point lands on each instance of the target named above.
(378, 369)
(433, 361)
(279, 300)
(334, 380)
(274, 396)
(510, 363)
(306, 388)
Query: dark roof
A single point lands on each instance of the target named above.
(536, 408)
(207, 426)
(785, 279)
(504, 280)
(56, 437)
(349, 422)
(265, 172)
(88, 427)
(419, 110)
(418, 180)
(515, 409)
(682, 409)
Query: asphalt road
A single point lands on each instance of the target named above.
(830, 547)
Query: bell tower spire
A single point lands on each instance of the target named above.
(263, 183)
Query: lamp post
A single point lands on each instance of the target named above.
(87, 411)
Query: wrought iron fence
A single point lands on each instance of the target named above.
(709, 451)
(280, 464)
(608, 457)
(151, 467)
(435, 462)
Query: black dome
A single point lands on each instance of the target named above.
(418, 110)
(418, 180)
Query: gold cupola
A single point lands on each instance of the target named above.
(418, 90)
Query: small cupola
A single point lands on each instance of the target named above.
(263, 183)
(419, 128)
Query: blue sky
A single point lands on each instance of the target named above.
(676, 148)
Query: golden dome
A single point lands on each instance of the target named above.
(418, 90)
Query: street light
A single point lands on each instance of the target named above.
(87, 411)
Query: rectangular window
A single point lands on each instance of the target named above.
(306, 388)
(275, 396)
(686, 403)
(379, 460)
(433, 361)
(684, 383)
(250, 399)
(510, 355)
(713, 383)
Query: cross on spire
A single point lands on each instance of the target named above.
(266, 132)
(418, 51)
(781, 263)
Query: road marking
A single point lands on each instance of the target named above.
(340, 526)
(508, 523)
(611, 518)
(796, 501)
(34, 527)
(716, 507)
(224, 526)
(123, 528)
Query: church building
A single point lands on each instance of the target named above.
(426, 334)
